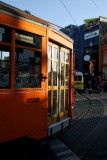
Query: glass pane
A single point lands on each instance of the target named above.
(49, 72)
(54, 73)
(67, 58)
(49, 51)
(4, 66)
(67, 75)
(49, 102)
(105, 73)
(27, 69)
(62, 56)
(28, 39)
(5, 33)
(4, 74)
(62, 74)
(66, 99)
(55, 54)
(75, 78)
(62, 100)
(54, 110)
(4, 55)
(79, 78)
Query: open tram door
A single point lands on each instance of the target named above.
(58, 87)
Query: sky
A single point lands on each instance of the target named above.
(63, 12)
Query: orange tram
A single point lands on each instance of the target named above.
(36, 76)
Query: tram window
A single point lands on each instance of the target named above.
(49, 72)
(67, 57)
(62, 74)
(28, 39)
(49, 102)
(4, 67)
(79, 78)
(62, 56)
(62, 100)
(5, 33)
(49, 51)
(54, 110)
(27, 69)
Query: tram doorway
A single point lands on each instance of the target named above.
(58, 83)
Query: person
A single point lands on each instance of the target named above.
(90, 88)
(100, 87)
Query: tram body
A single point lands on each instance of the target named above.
(36, 76)
(79, 81)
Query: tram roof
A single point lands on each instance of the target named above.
(26, 14)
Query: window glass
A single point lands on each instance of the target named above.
(5, 34)
(62, 100)
(49, 51)
(54, 73)
(54, 110)
(105, 73)
(67, 75)
(49, 102)
(67, 57)
(49, 72)
(55, 53)
(62, 56)
(79, 78)
(27, 68)
(66, 99)
(4, 67)
(62, 74)
(28, 39)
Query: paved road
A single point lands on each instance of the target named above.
(87, 139)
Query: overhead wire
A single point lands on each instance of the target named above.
(69, 12)
(97, 7)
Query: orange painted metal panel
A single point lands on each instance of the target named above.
(22, 24)
(57, 36)
(22, 114)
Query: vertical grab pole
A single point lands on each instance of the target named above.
(71, 84)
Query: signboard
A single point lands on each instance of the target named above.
(86, 57)
(91, 34)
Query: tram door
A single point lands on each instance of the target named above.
(58, 83)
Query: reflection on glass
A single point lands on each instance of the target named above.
(4, 55)
(67, 74)
(4, 74)
(54, 73)
(27, 68)
(49, 102)
(62, 74)
(66, 99)
(62, 100)
(49, 51)
(5, 33)
(62, 56)
(54, 110)
(4, 69)
(49, 73)
(67, 57)
(55, 53)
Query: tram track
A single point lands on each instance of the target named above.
(72, 142)
(85, 124)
